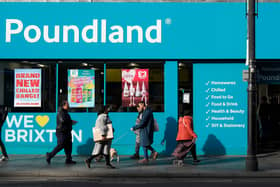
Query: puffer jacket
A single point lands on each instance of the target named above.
(185, 131)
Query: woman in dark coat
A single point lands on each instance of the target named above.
(146, 127)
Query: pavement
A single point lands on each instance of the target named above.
(35, 166)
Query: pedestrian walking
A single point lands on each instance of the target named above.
(185, 138)
(102, 147)
(146, 127)
(63, 134)
(136, 155)
(3, 116)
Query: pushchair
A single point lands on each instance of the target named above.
(181, 151)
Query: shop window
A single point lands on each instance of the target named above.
(82, 84)
(127, 83)
(185, 87)
(45, 98)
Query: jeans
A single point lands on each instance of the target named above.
(146, 148)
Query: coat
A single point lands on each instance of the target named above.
(185, 131)
(146, 127)
(104, 146)
(3, 116)
(63, 122)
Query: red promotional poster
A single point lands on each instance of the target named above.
(27, 88)
(135, 86)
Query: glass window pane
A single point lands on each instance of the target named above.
(115, 88)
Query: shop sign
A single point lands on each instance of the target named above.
(220, 108)
(27, 91)
(135, 86)
(81, 88)
(116, 31)
(268, 75)
(89, 33)
(33, 129)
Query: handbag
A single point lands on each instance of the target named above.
(156, 127)
(97, 137)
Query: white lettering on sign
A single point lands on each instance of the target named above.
(21, 129)
(98, 31)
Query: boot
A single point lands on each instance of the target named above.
(135, 156)
(48, 158)
(143, 161)
(87, 161)
(108, 164)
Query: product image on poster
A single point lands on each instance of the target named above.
(135, 86)
(27, 88)
(81, 88)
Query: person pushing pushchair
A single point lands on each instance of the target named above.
(185, 140)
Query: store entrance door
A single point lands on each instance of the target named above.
(268, 111)
(185, 97)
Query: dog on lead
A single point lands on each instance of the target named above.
(113, 155)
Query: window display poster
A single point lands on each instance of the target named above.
(81, 88)
(135, 86)
(27, 88)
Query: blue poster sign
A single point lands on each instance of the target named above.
(220, 109)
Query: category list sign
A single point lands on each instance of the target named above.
(27, 88)
(220, 104)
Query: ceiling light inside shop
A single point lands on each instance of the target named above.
(132, 64)
(181, 64)
(84, 64)
(41, 65)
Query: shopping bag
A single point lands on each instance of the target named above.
(97, 137)
(156, 127)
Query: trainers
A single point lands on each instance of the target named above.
(87, 163)
(70, 162)
(4, 158)
(135, 157)
(143, 161)
(154, 155)
(48, 158)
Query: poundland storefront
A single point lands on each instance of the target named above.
(174, 56)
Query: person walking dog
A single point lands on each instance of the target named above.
(185, 139)
(103, 146)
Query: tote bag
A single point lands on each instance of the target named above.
(97, 137)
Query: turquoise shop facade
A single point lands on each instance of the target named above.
(212, 35)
